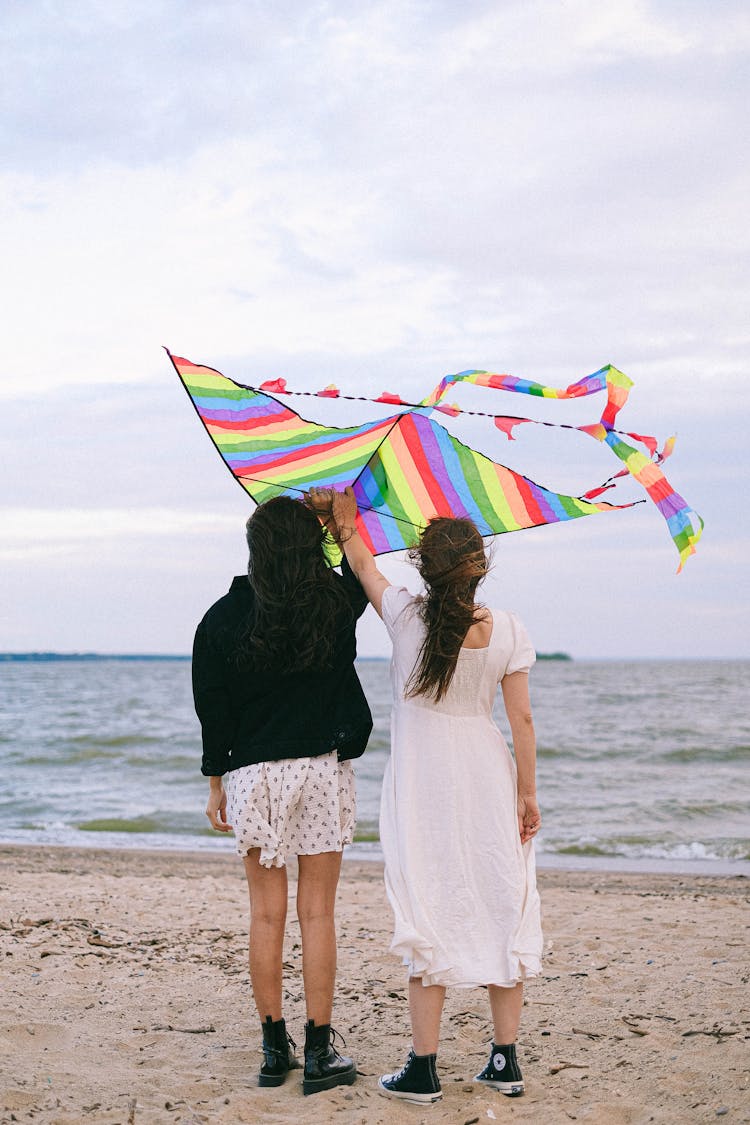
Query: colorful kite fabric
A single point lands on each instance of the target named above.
(407, 468)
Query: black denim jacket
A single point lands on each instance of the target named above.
(263, 716)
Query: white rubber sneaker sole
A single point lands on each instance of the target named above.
(405, 1096)
(510, 1089)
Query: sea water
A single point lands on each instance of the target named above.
(640, 763)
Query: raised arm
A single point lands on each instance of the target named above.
(518, 709)
(357, 555)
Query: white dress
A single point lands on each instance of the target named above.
(461, 884)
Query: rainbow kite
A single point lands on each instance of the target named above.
(407, 468)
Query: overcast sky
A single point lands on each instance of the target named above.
(373, 194)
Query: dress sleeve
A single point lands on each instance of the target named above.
(395, 600)
(523, 656)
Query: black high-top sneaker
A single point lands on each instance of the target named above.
(417, 1081)
(502, 1071)
(278, 1053)
(324, 1066)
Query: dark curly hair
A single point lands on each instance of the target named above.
(450, 558)
(300, 607)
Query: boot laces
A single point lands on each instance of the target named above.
(404, 1069)
(279, 1052)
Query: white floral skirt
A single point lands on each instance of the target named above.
(297, 806)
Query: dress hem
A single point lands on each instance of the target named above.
(449, 978)
(444, 981)
(276, 859)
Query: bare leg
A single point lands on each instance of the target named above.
(506, 1004)
(316, 901)
(425, 1009)
(268, 896)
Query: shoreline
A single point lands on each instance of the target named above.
(86, 860)
(136, 960)
(369, 852)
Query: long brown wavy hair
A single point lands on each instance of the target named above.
(300, 606)
(451, 560)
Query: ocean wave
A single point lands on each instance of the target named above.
(365, 835)
(66, 755)
(547, 752)
(187, 762)
(707, 754)
(146, 824)
(578, 849)
(647, 848)
(116, 741)
(691, 810)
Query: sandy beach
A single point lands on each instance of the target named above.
(126, 999)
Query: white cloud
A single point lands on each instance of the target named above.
(68, 527)
(486, 188)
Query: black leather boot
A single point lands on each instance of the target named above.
(324, 1066)
(278, 1053)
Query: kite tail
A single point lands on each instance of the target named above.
(685, 525)
(606, 378)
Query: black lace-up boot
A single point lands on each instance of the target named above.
(324, 1066)
(502, 1071)
(278, 1053)
(416, 1082)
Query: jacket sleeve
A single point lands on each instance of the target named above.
(212, 705)
(357, 597)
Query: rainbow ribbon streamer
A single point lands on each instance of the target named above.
(407, 468)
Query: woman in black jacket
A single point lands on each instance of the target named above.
(282, 714)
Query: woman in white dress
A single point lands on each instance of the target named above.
(458, 814)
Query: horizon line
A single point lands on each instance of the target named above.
(50, 655)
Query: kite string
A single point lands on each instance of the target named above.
(453, 411)
(286, 488)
